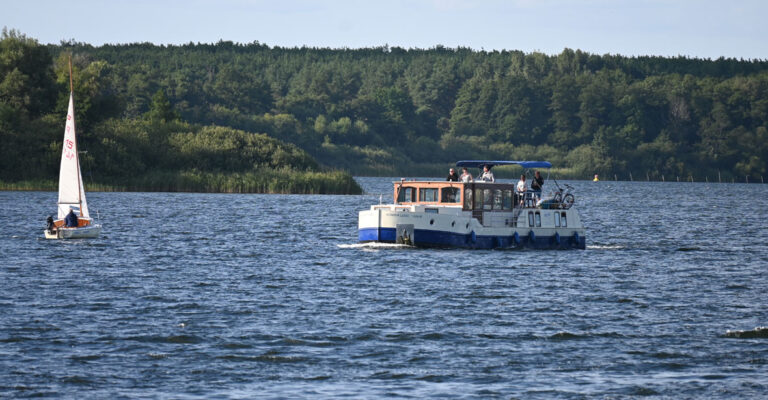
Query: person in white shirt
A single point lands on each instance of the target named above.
(487, 175)
(465, 175)
(521, 188)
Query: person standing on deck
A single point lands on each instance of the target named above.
(520, 192)
(465, 175)
(452, 175)
(536, 184)
(487, 175)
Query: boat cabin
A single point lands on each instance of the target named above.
(484, 196)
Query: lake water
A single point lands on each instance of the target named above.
(269, 296)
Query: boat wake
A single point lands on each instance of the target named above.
(606, 247)
(374, 246)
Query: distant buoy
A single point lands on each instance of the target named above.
(595, 180)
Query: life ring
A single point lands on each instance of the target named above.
(516, 238)
(557, 238)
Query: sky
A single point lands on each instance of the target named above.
(692, 28)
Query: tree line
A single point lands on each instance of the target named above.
(409, 112)
(153, 149)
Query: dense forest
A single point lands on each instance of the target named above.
(220, 109)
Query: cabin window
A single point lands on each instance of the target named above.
(428, 194)
(488, 198)
(538, 218)
(407, 194)
(557, 220)
(530, 218)
(468, 199)
(450, 195)
(563, 221)
(497, 199)
(507, 200)
(479, 199)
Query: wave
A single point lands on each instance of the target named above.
(761, 332)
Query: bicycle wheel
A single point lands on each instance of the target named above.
(568, 201)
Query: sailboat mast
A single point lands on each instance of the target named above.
(74, 135)
(71, 89)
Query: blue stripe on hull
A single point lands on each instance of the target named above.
(376, 235)
(429, 238)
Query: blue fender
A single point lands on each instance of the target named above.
(531, 236)
(576, 238)
(516, 238)
(557, 238)
(473, 237)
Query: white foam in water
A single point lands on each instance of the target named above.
(605, 247)
(373, 245)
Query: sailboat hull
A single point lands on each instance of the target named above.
(83, 232)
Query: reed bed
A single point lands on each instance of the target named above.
(271, 181)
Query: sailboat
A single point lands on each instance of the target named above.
(71, 189)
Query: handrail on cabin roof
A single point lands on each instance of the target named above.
(492, 163)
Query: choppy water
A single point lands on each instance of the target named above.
(269, 296)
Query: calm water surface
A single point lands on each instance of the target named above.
(270, 296)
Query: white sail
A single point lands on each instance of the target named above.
(71, 190)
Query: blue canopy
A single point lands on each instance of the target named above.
(492, 163)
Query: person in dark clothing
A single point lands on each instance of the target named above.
(51, 225)
(452, 175)
(536, 184)
(71, 219)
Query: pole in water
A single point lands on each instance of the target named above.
(615, 178)
(630, 177)
(747, 178)
(662, 177)
(719, 180)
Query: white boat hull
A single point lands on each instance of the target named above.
(85, 232)
(451, 227)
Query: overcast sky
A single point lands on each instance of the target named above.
(695, 28)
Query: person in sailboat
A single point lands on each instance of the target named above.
(51, 226)
(71, 219)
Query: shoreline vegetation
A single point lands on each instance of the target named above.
(211, 117)
(268, 182)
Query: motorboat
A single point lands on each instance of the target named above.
(476, 214)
